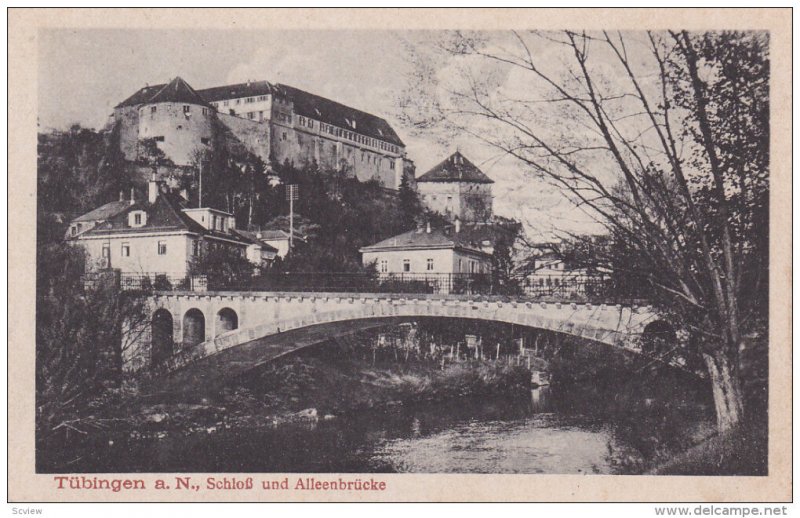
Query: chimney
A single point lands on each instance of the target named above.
(428, 227)
(458, 225)
(152, 189)
(133, 196)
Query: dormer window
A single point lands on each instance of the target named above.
(137, 218)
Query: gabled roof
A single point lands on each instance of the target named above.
(165, 215)
(337, 114)
(176, 91)
(455, 168)
(104, 212)
(236, 91)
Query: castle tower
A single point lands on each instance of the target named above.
(178, 120)
(457, 188)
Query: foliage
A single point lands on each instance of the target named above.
(225, 266)
(79, 170)
(81, 332)
(662, 137)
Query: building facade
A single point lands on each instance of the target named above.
(272, 121)
(157, 236)
(441, 257)
(456, 188)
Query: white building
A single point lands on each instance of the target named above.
(440, 256)
(456, 188)
(159, 235)
(548, 274)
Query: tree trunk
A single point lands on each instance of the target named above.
(726, 388)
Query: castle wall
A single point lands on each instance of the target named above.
(178, 133)
(127, 117)
(253, 135)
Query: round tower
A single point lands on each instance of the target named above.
(177, 120)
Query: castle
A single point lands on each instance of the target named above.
(272, 121)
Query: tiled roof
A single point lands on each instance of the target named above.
(142, 95)
(176, 91)
(253, 236)
(331, 112)
(456, 168)
(104, 212)
(166, 214)
(305, 103)
(236, 91)
(437, 238)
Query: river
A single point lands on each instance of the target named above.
(539, 433)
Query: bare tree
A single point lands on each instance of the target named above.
(661, 137)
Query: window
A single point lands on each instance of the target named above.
(283, 136)
(391, 164)
(460, 265)
(238, 101)
(126, 250)
(251, 115)
(137, 219)
(232, 112)
(430, 265)
(213, 222)
(384, 266)
(162, 248)
(205, 111)
(153, 109)
(159, 138)
(106, 250)
(261, 115)
(224, 103)
(204, 140)
(74, 230)
(406, 265)
(250, 100)
(187, 108)
(196, 248)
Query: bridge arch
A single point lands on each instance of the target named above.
(161, 329)
(227, 320)
(658, 337)
(194, 327)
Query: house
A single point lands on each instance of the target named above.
(547, 273)
(278, 239)
(440, 255)
(159, 235)
(260, 252)
(456, 188)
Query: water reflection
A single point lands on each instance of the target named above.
(543, 433)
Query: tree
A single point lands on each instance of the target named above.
(660, 137)
(81, 333)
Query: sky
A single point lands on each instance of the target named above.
(83, 74)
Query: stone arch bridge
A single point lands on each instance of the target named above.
(196, 336)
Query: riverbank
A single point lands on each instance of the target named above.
(301, 390)
(741, 451)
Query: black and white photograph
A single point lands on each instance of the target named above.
(400, 251)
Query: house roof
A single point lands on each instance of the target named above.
(253, 236)
(176, 91)
(165, 215)
(104, 211)
(437, 238)
(455, 168)
(236, 91)
(337, 114)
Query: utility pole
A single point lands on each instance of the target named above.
(291, 195)
(200, 188)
